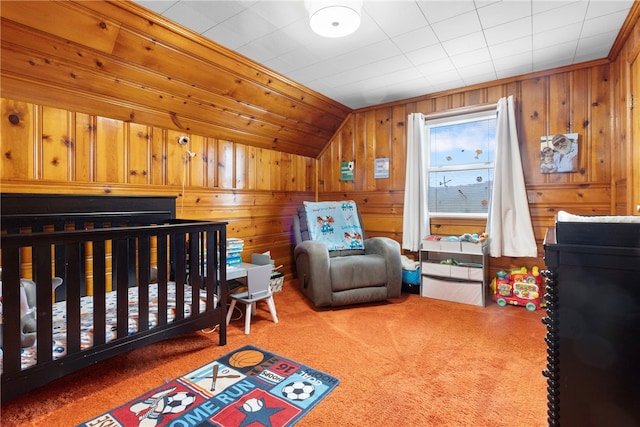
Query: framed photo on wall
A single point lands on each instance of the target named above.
(559, 153)
(347, 170)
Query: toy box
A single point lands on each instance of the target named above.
(411, 277)
(519, 287)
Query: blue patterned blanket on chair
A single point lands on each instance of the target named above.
(336, 224)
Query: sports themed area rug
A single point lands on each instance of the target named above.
(247, 387)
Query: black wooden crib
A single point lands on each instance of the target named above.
(131, 273)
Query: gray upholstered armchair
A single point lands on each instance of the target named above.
(372, 272)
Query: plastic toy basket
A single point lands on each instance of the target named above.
(411, 277)
(277, 279)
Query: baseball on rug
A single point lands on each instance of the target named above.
(247, 387)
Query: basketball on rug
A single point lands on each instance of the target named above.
(248, 386)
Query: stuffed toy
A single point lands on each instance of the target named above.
(28, 324)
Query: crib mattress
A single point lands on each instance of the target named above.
(59, 310)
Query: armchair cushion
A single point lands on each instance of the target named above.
(349, 272)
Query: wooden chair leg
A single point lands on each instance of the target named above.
(272, 309)
(230, 312)
(247, 320)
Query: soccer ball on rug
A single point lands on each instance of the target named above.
(298, 390)
(178, 402)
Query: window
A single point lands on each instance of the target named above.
(460, 158)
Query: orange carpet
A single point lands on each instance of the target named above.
(409, 362)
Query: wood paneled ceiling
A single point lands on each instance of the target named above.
(117, 60)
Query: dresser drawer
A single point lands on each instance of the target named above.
(452, 271)
(455, 291)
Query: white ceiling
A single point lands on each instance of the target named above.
(407, 48)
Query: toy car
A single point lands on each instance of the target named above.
(518, 288)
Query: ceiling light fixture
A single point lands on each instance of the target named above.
(334, 18)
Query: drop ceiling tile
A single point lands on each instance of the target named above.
(538, 7)
(500, 13)
(270, 46)
(279, 66)
(468, 43)
(511, 48)
(281, 13)
(559, 17)
(388, 65)
(372, 53)
(416, 39)
(485, 3)
(426, 54)
(603, 24)
(188, 14)
(509, 31)
(436, 11)
(595, 47)
(446, 80)
(387, 79)
(406, 88)
(310, 74)
(436, 67)
(407, 16)
(157, 6)
(468, 73)
(568, 33)
(227, 36)
(476, 78)
(474, 57)
(299, 58)
(251, 24)
(364, 60)
(459, 26)
(599, 8)
(521, 60)
(554, 56)
(515, 65)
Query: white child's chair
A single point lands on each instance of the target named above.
(258, 289)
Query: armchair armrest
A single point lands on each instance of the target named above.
(390, 250)
(312, 265)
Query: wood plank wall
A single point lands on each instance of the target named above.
(590, 100)
(51, 150)
(117, 59)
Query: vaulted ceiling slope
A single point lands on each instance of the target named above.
(118, 60)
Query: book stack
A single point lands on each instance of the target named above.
(234, 250)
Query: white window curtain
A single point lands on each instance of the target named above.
(415, 218)
(509, 221)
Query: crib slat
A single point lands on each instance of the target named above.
(42, 277)
(144, 267)
(11, 309)
(73, 263)
(121, 277)
(162, 278)
(99, 289)
(196, 252)
(221, 285)
(210, 279)
(179, 246)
